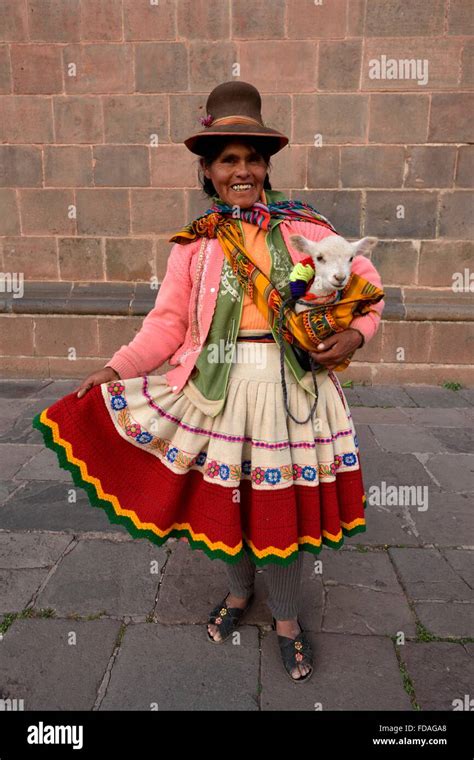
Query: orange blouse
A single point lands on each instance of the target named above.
(254, 240)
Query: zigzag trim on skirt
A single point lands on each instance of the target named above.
(138, 529)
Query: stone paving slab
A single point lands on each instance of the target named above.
(454, 472)
(352, 673)
(59, 388)
(429, 395)
(352, 397)
(385, 526)
(154, 658)
(21, 429)
(11, 409)
(42, 466)
(363, 415)
(363, 595)
(184, 561)
(427, 576)
(367, 441)
(26, 550)
(455, 440)
(384, 396)
(7, 487)
(406, 439)
(447, 619)
(441, 672)
(312, 592)
(365, 612)
(467, 394)
(371, 570)
(46, 505)
(11, 432)
(21, 389)
(393, 468)
(117, 578)
(447, 521)
(432, 417)
(462, 563)
(43, 667)
(13, 456)
(18, 587)
(6, 424)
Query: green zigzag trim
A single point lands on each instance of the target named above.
(135, 532)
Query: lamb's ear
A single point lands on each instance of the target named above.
(363, 246)
(303, 244)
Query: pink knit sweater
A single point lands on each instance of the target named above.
(177, 326)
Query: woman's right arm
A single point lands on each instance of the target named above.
(164, 328)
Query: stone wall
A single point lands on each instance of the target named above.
(97, 96)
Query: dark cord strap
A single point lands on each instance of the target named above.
(313, 365)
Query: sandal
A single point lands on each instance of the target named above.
(226, 618)
(295, 652)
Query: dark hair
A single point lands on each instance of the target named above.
(211, 149)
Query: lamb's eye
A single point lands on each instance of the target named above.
(319, 258)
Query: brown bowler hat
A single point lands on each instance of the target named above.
(234, 108)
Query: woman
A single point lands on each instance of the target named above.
(207, 451)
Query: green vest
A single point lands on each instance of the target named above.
(210, 375)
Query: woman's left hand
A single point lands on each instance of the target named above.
(333, 350)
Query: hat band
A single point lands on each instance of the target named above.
(236, 119)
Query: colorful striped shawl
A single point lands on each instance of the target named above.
(260, 214)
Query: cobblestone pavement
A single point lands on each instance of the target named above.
(88, 626)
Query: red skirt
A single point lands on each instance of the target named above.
(247, 480)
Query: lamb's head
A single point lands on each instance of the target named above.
(332, 258)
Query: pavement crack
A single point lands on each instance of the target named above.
(70, 546)
(409, 521)
(104, 684)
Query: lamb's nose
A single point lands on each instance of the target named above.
(339, 277)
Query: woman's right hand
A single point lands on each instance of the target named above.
(104, 375)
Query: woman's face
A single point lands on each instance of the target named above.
(238, 164)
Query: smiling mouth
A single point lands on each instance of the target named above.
(241, 187)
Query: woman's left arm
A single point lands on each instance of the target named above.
(368, 324)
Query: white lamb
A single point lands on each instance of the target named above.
(332, 263)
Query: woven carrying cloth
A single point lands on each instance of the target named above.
(247, 480)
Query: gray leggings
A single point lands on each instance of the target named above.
(283, 584)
